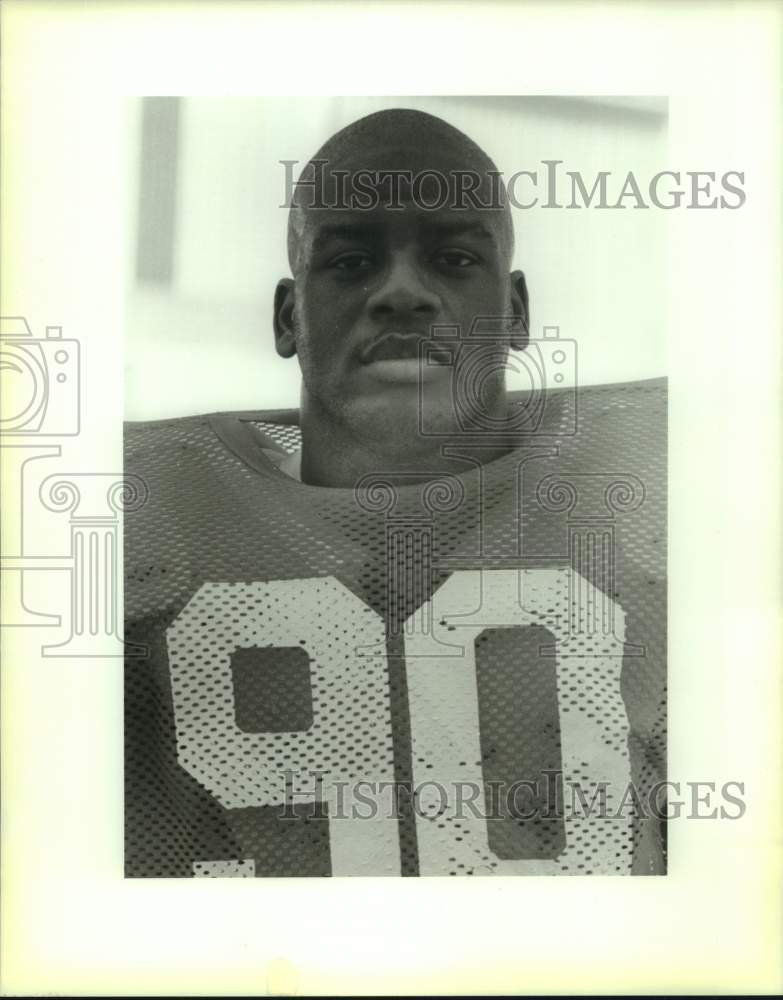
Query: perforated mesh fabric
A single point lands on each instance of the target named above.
(504, 629)
(285, 436)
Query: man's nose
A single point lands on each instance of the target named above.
(403, 290)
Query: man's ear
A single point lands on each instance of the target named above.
(285, 341)
(520, 309)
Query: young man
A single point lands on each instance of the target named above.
(417, 626)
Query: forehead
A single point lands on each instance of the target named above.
(323, 227)
(394, 171)
(424, 190)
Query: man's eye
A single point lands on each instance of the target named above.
(354, 261)
(455, 258)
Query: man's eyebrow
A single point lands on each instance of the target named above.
(460, 228)
(443, 228)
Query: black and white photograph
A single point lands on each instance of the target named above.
(390, 436)
(413, 622)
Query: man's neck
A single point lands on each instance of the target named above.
(339, 455)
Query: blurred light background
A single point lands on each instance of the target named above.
(209, 236)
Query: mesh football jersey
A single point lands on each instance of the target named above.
(453, 674)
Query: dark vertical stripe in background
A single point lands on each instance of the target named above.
(157, 217)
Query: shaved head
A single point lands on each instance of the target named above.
(406, 143)
(399, 232)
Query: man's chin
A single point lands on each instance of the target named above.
(401, 423)
(388, 401)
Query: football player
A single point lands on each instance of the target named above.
(418, 625)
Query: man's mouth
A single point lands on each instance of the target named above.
(401, 347)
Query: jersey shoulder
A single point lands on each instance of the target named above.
(617, 423)
(172, 431)
(280, 427)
